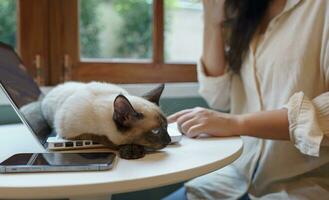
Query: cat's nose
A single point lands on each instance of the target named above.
(166, 138)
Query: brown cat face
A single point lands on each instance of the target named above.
(141, 122)
(153, 135)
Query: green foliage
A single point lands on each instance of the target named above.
(89, 28)
(136, 34)
(133, 38)
(8, 22)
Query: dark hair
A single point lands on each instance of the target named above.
(242, 20)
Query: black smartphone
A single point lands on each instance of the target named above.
(54, 162)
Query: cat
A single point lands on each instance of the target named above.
(108, 114)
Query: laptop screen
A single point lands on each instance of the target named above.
(23, 92)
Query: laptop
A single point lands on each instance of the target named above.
(24, 94)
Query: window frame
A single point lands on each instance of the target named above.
(33, 37)
(60, 52)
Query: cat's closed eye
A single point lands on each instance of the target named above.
(155, 131)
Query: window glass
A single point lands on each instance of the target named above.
(183, 30)
(8, 22)
(116, 29)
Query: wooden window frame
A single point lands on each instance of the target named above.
(33, 37)
(61, 53)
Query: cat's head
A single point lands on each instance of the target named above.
(140, 120)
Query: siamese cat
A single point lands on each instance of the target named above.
(107, 114)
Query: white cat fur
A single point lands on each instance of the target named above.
(76, 108)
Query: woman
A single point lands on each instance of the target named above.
(267, 61)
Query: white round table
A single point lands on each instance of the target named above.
(188, 159)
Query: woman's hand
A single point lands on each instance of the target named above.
(197, 121)
(272, 124)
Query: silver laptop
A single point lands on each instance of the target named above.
(24, 96)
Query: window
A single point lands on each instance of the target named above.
(120, 41)
(116, 29)
(8, 22)
(183, 26)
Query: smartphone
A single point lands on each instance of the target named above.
(55, 162)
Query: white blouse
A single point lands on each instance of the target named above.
(287, 67)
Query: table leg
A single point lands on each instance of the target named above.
(93, 197)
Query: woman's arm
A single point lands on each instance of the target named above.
(266, 124)
(213, 56)
(214, 84)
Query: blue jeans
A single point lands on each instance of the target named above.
(180, 194)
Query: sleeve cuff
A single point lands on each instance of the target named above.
(215, 90)
(304, 128)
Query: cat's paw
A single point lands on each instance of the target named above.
(131, 151)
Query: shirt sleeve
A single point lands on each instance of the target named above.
(309, 118)
(215, 90)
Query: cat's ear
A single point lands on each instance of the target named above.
(124, 114)
(155, 94)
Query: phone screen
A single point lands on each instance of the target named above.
(58, 162)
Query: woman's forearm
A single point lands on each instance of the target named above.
(266, 124)
(213, 51)
(213, 56)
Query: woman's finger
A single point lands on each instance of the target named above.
(195, 130)
(173, 118)
(187, 125)
(185, 117)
